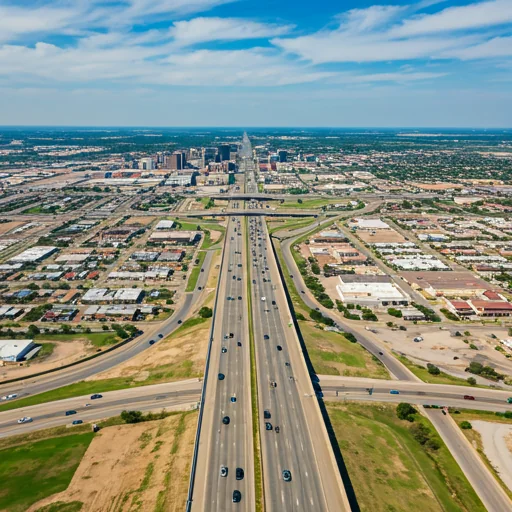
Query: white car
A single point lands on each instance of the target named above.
(9, 397)
(25, 419)
(223, 471)
(263, 299)
(417, 339)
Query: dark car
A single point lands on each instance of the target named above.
(279, 348)
(239, 297)
(69, 413)
(237, 496)
(287, 363)
(239, 343)
(151, 342)
(179, 321)
(287, 475)
(273, 303)
(277, 430)
(160, 336)
(469, 397)
(221, 376)
(96, 396)
(239, 474)
(226, 420)
(266, 337)
(202, 270)
(381, 353)
(254, 281)
(224, 350)
(266, 414)
(268, 426)
(77, 422)
(231, 335)
(199, 287)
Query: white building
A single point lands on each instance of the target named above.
(371, 291)
(164, 225)
(34, 254)
(146, 164)
(15, 350)
(368, 224)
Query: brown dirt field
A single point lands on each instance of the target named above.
(381, 235)
(143, 221)
(64, 352)
(183, 353)
(7, 226)
(434, 186)
(215, 235)
(143, 467)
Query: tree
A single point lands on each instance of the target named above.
(433, 369)
(466, 425)
(395, 312)
(33, 331)
(471, 380)
(405, 411)
(205, 312)
(132, 416)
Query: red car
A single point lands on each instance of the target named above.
(469, 397)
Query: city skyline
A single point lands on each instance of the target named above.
(221, 63)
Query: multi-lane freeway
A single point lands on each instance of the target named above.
(225, 459)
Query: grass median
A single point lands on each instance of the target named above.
(391, 470)
(196, 270)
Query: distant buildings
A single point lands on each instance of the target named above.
(146, 164)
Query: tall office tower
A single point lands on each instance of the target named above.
(224, 152)
(177, 161)
(283, 155)
(209, 155)
(146, 164)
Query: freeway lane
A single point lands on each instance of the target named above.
(302, 441)
(228, 445)
(35, 385)
(169, 396)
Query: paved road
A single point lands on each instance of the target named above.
(353, 388)
(301, 446)
(228, 445)
(169, 396)
(390, 362)
(32, 386)
(483, 482)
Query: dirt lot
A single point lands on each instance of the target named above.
(140, 221)
(440, 347)
(380, 236)
(142, 467)
(64, 352)
(7, 226)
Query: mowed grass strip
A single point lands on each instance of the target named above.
(332, 354)
(98, 339)
(196, 270)
(390, 470)
(33, 471)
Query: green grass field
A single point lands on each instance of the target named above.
(309, 203)
(33, 471)
(390, 470)
(289, 225)
(60, 506)
(196, 270)
(332, 354)
(98, 339)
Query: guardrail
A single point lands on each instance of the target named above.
(205, 383)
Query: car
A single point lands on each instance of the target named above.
(226, 420)
(266, 414)
(291, 275)
(273, 303)
(268, 425)
(238, 278)
(266, 337)
(239, 474)
(224, 350)
(231, 335)
(287, 363)
(237, 496)
(287, 475)
(151, 342)
(469, 397)
(279, 348)
(233, 399)
(221, 376)
(381, 353)
(199, 287)
(277, 429)
(180, 321)
(223, 471)
(394, 392)
(417, 339)
(77, 422)
(160, 335)
(509, 400)
(254, 281)
(9, 397)
(202, 270)
(69, 413)
(239, 343)
(302, 291)
(96, 396)
(239, 297)
(263, 299)
(273, 384)
(234, 277)
(25, 419)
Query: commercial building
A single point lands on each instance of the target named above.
(164, 225)
(176, 237)
(34, 254)
(371, 291)
(146, 164)
(15, 350)
(224, 152)
(123, 295)
(283, 155)
(179, 180)
(368, 224)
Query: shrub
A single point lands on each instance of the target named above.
(433, 369)
(395, 312)
(471, 380)
(205, 312)
(466, 425)
(405, 411)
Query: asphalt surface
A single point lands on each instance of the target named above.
(389, 361)
(228, 445)
(483, 482)
(35, 385)
(301, 446)
(353, 388)
(169, 396)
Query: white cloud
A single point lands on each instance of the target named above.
(223, 29)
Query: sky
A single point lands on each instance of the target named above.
(342, 63)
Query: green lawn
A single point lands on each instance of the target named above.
(390, 470)
(332, 354)
(289, 225)
(33, 471)
(196, 270)
(60, 506)
(98, 339)
(443, 378)
(310, 203)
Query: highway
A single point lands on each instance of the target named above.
(170, 396)
(302, 445)
(79, 372)
(229, 445)
(420, 393)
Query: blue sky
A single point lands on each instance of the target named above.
(256, 63)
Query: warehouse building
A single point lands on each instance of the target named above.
(15, 350)
(34, 254)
